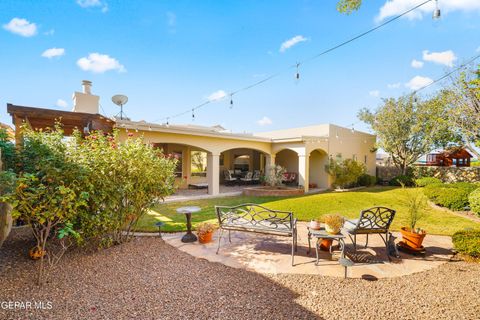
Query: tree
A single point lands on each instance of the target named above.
(408, 129)
(348, 6)
(462, 102)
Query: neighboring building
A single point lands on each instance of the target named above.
(455, 156)
(205, 152)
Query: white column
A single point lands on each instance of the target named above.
(269, 162)
(213, 173)
(303, 171)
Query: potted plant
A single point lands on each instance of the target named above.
(205, 231)
(333, 223)
(413, 236)
(315, 224)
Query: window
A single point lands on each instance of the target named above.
(179, 167)
(365, 159)
(354, 157)
(198, 163)
(338, 157)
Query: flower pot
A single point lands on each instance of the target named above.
(314, 225)
(205, 237)
(325, 244)
(331, 230)
(412, 239)
(36, 253)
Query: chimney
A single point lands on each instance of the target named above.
(87, 86)
(85, 101)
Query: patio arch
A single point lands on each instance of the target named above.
(317, 174)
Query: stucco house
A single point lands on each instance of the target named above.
(205, 152)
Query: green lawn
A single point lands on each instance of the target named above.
(305, 208)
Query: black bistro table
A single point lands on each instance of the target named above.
(187, 211)
(322, 234)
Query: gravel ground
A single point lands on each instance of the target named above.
(148, 279)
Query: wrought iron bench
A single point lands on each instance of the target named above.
(252, 217)
(376, 220)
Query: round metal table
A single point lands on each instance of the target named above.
(187, 211)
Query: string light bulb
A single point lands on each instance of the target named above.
(193, 114)
(231, 101)
(436, 13)
(297, 75)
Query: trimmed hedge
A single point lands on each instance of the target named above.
(474, 201)
(453, 196)
(467, 242)
(402, 179)
(426, 181)
(367, 180)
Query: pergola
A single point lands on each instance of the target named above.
(41, 118)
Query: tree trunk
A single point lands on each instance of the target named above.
(5, 221)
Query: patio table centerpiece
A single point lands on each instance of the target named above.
(205, 232)
(333, 223)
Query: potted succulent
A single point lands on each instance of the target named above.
(205, 231)
(315, 224)
(333, 223)
(413, 236)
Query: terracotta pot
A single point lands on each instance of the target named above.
(325, 244)
(36, 253)
(205, 237)
(412, 239)
(331, 230)
(314, 225)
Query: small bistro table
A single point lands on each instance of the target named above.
(189, 236)
(322, 234)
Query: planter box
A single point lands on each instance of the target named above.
(273, 191)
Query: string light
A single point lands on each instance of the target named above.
(310, 59)
(193, 114)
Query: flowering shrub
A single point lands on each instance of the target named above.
(274, 176)
(345, 174)
(76, 190)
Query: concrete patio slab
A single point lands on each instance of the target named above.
(271, 255)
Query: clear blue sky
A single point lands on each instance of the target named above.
(169, 56)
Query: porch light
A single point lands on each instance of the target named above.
(436, 12)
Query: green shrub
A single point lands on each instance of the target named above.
(399, 180)
(367, 180)
(345, 174)
(467, 242)
(423, 182)
(453, 196)
(7, 150)
(474, 201)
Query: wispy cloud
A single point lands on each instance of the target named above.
(416, 64)
(100, 63)
(374, 93)
(61, 103)
(93, 4)
(418, 82)
(394, 85)
(22, 27)
(478, 49)
(446, 57)
(395, 7)
(287, 44)
(53, 52)
(265, 121)
(49, 32)
(171, 19)
(217, 95)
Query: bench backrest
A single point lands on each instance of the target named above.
(376, 218)
(254, 215)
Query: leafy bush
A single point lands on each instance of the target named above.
(467, 242)
(474, 201)
(274, 176)
(423, 182)
(402, 180)
(125, 180)
(7, 150)
(367, 180)
(453, 196)
(345, 174)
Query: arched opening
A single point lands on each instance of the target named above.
(239, 162)
(289, 160)
(317, 174)
(191, 170)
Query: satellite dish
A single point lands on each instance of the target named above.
(120, 100)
